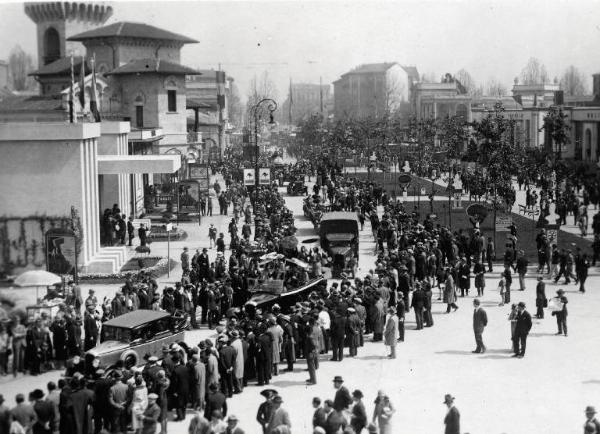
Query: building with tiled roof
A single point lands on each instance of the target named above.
(126, 29)
(372, 90)
(152, 66)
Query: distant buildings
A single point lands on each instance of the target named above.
(307, 99)
(373, 90)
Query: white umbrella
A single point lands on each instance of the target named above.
(37, 278)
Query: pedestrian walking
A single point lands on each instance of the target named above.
(391, 334)
(561, 312)
(522, 328)
(502, 289)
(479, 271)
(279, 417)
(591, 425)
(540, 298)
(480, 321)
(449, 292)
(522, 264)
(358, 417)
(452, 419)
(383, 412)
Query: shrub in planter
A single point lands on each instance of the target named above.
(156, 270)
(143, 249)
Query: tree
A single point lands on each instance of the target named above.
(499, 151)
(20, 64)
(556, 127)
(453, 133)
(467, 81)
(534, 72)
(236, 112)
(495, 88)
(573, 82)
(261, 87)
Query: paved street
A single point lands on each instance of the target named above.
(495, 393)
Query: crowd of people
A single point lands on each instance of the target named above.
(418, 262)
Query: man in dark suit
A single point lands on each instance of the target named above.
(91, 329)
(342, 399)
(522, 328)
(338, 332)
(215, 400)
(130, 230)
(227, 356)
(181, 386)
(418, 304)
(479, 322)
(452, 419)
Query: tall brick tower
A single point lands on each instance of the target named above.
(57, 21)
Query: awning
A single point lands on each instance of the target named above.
(123, 164)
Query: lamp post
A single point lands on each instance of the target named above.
(256, 111)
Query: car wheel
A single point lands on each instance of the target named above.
(130, 359)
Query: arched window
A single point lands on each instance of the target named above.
(138, 102)
(588, 144)
(51, 45)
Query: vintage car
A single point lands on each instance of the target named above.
(297, 188)
(281, 280)
(130, 336)
(338, 231)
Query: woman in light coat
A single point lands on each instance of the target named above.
(276, 333)
(382, 415)
(449, 292)
(391, 335)
(139, 402)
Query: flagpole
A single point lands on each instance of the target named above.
(71, 94)
(291, 99)
(321, 94)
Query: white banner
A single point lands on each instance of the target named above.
(264, 175)
(249, 178)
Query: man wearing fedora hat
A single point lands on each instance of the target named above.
(279, 417)
(452, 419)
(522, 328)
(479, 323)
(342, 399)
(561, 315)
(44, 413)
(232, 427)
(591, 424)
(149, 417)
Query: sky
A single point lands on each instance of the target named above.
(305, 40)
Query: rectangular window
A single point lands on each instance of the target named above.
(172, 96)
(139, 116)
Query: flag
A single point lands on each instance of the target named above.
(291, 103)
(82, 84)
(93, 96)
(72, 117)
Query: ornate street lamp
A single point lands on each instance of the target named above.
(257, 110)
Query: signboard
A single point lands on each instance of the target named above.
(503, 221)
(249, 178)
(60, 251)
(404, 179)
(203, 184)
(477, 211)
(264, 175)
(552, 234)
(198, 171)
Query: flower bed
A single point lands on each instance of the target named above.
(158, 233)
(158, 269)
